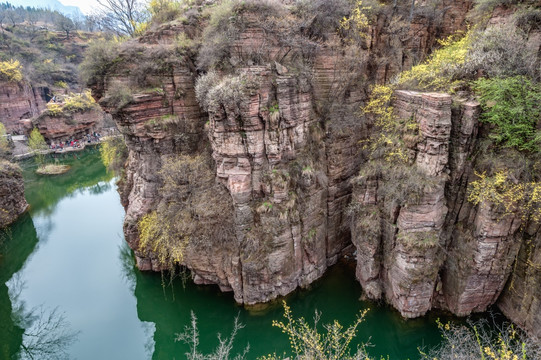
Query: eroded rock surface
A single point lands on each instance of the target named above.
(19, 101)
(12, 200)
(286, 155)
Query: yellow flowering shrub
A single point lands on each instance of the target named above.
(307, 343)
(507, 195)
(11, 70)
(392, 128)
(357, 21)
(156, 235)
(437, 73)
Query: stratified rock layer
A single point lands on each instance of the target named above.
(19, 101)
(64, 126)
(286, 156)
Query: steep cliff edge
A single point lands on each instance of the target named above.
(12, 200)
(19, 101)
(244, 153)
(283, 131)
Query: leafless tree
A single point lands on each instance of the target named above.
(122, 16)
(32, 17)
(412, 9)
(65, 24)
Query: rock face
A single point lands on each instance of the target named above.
(55, 128)
(19, 101)
(520, 301)
(12, 201)
(441, 251)
(286, 143)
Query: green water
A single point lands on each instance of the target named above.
(68, 254)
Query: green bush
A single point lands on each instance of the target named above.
(513, 106)
(99, 57)
(117, 97)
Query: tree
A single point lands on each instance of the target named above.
(65, 24)
(32, 17)
(4, 143)
(122, 16)
(37, 143)
(412, 9)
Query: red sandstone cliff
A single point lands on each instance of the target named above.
(286, 153)
(19, 101)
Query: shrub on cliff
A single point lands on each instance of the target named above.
(165, 10)
(195, 211)
(513, 106)
(499, 51)
(439, 71)
(230, 92)
(99, 57)
(321, 17)
(11, 71)
(113, 153)
(226, 21)
(117, 97)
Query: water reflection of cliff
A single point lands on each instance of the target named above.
(35, 326)
(12, 258)
(44, 192)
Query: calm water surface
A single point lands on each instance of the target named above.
(68, 256)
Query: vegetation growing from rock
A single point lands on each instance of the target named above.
(510, 197)
(190, 198)
(513, 106)
(70, 104)
(113, 153)
(11, 71)
(439, 72)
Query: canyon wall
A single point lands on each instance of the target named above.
(19, 101)
(12, 200)
(284, 145)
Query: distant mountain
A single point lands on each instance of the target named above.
(47, 4)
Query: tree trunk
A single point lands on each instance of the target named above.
(411, 10)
